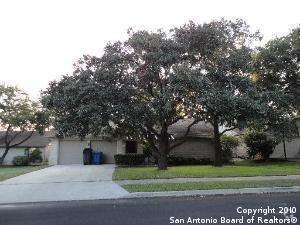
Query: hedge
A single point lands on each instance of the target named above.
(129, 159)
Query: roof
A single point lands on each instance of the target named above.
(199, 130)
(36, 140)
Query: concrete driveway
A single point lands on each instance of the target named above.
(62, 183)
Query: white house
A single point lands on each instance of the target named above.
(35, 141)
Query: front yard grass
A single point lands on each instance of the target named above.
(209, 185)
(7, 172)
(238, 169)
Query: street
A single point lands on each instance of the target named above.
(155, 211)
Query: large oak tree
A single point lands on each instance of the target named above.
(140, 87)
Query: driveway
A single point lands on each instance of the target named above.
(62, 183)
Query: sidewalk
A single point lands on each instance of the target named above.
(187, 180)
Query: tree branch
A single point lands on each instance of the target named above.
(21, 142)
(229, 129)
(185, 135)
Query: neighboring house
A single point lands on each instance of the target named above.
(35, 141)
(292, 147)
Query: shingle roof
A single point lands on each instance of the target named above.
(200, 129)
(36, 140)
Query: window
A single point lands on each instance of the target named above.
(131, 147)
(26, 152)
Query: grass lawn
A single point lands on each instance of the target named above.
(242, 168)
(7, 172)
(209, 185)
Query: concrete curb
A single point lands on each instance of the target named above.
(212, 192)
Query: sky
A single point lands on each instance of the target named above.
(40, 40)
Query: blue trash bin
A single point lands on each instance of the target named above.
(97, 158)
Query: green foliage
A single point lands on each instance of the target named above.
(277, 68)
(129, 159)
(228, 143)
(35, 155)
(259, 143)
(140, 87)
(147, 150)
(20, 161)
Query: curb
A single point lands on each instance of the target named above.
(191, 193)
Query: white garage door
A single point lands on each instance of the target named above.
(71, 152)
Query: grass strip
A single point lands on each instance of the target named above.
(7, 172)
(209, 185)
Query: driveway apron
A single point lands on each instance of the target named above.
(62, 183)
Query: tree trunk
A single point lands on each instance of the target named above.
(3, 156)
(163, 150)
(217, 140)
(284, 147)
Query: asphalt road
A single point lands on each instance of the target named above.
(151, 211)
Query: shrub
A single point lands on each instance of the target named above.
(228, 143)
(20, 161)
(179, 160)
(129, 159)
(147, 150)
(259, 143)
(35, 156)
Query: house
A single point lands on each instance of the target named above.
(69, 150)
(199, 144)
(35, 141)
(199, 141)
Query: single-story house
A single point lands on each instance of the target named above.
(35, 141)
(69, 150)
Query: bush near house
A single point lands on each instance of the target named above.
(228, 143)
(35, 156)
(260, 144)
(20, 161)
(129, 159)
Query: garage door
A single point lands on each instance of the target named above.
(70, 152)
